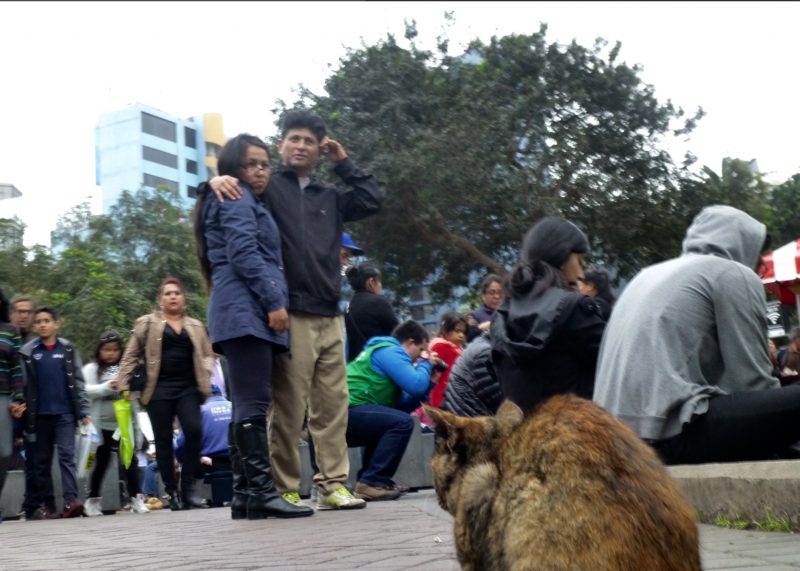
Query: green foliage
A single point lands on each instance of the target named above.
(784, 201)
(107, 269)
(474, 149)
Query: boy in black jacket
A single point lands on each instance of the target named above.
(57, 400)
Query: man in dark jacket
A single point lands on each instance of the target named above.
(56, 400)
(310, 214)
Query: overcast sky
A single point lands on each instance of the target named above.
(63, 64)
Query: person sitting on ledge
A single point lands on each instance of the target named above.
(388, 378)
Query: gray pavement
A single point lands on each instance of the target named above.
(410, 533)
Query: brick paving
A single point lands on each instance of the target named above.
(410, 533)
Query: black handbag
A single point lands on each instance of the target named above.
(139, 377)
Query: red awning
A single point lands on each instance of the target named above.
(780, 272)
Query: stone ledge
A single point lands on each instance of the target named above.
(746, 490)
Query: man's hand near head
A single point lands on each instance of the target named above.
(332, 149)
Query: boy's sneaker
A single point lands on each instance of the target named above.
(137, 504)
(72, 509)
(292, 498)
(373, 494)
(92, 507)
(339, 499)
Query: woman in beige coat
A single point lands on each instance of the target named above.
(178, 358)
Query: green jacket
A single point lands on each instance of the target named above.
(365, 385)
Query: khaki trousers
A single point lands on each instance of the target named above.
(312, 374)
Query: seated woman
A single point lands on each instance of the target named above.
(390, 376)
(472, 389)
(546, 336)
(369, 314)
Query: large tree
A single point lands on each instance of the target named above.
(473, 149)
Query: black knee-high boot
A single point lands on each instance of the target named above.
(240, 492)
(263, 499)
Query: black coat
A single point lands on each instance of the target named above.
(73, 370)
(472, 388)
(368, 315)
(310, 222)
(546, 345)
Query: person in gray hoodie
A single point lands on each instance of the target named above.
(684, 358)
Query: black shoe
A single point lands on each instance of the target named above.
(175, 503)
(263, 499)
(36, 515)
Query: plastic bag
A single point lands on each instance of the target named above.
(87, 440)
(123, 412)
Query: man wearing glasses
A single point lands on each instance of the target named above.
(310, 214)
(22, 316)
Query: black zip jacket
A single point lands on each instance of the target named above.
(73, 369)
(311, 223)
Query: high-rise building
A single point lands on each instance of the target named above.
(9, 191)
(140, 146)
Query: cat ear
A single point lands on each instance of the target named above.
(509, 414)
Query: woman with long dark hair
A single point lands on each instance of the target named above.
(239, 249)
(369, 314)
(178, 359)
(546, 335)
(102, 387)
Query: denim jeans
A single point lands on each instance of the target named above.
(56, 430)
(384, 433)
(150, 487)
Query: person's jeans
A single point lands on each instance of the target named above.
(747, 426)
(384, 433)
(150, 487)
(56, 430)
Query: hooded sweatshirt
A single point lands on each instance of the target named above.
(546, 344)
(688, 329)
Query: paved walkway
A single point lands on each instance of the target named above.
(410, 533)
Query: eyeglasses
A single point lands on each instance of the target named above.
(494, 292)
(255, 167)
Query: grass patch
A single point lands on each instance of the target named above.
(771, 523)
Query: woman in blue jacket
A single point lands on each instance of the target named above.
(239, 249)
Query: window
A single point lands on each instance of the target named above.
(190, 137)
(158, 127)
(191, 166)
(191, 191)
(160, 157)
(155, 181)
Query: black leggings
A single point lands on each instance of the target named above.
(101, 463)
(162, 413)
(250, 365)
(756, 425)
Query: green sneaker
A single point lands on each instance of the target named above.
(292, 498)
(339, 499)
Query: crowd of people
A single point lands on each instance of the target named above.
(682, 356)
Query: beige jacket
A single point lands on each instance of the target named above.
(150, 328)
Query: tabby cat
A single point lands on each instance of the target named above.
(569, 487)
